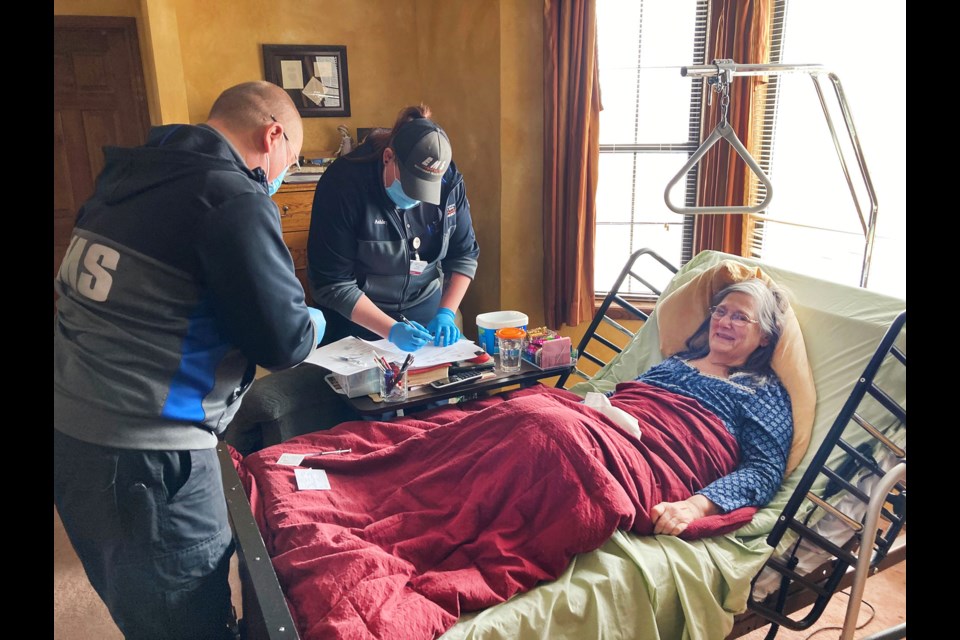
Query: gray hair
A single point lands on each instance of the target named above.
(771, 309)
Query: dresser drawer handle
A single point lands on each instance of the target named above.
(284, 213)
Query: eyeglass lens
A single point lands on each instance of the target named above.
(736, 317)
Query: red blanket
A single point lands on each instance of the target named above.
(458, 509)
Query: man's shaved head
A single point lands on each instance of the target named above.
(250, 105)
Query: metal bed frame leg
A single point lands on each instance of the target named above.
(870, 526)
(893, 633)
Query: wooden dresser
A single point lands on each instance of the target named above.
(295, 201)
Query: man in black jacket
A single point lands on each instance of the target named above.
(176, 285)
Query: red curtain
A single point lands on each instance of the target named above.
(740, 31)
(571, 156)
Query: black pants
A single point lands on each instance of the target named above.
(152, 532)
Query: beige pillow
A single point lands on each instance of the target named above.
(681, 312)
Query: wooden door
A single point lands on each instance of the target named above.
(99, 100)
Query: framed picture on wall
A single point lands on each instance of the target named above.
(314, 75)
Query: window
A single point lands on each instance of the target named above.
(649, 126)
(812, 225)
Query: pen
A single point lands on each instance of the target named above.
(391, 377)
(404, 320)
(406, 364)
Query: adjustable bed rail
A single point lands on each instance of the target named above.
(265, 614)
(874, 540)
(601, 315)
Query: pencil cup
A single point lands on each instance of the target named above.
(393, 388)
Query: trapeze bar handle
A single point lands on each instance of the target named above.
(725, 131)
(736, 70)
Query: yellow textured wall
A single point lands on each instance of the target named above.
(221, 43)
(521, 157)
(163, 59)
(460, 75)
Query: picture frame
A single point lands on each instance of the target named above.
(313, 75)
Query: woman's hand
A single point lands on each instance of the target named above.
(409, 337)
(671, 518)
(444, 328)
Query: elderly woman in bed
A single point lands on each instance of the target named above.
(726, 368)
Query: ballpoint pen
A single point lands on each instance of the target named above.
(406, 364)
(404, 320)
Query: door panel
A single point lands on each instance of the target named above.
(99, 99)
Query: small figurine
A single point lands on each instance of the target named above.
(346, 142)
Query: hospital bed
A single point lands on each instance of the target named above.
(837, 518)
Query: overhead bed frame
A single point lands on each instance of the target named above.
(838, 469)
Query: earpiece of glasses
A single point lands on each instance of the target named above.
(737, 318)
(295, 166)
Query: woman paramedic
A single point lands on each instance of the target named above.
(392, 250)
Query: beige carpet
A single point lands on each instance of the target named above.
(78, 613)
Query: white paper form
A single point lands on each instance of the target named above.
(312, 479)
(345, 356)
(429, 355)
(352, 355)
(291, 459)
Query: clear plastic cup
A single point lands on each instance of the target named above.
(392, 388)
(511, 342)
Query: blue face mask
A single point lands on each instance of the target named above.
(395, 191)
(274, 186)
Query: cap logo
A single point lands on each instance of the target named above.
(430, 165)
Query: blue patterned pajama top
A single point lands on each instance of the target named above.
(755, 409)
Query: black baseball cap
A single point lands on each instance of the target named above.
(423, 154)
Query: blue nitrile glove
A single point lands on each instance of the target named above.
(318, 321)
(407, 337)
(443, 327)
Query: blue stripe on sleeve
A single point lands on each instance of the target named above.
(203, 349)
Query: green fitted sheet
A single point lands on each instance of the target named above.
(661, 587)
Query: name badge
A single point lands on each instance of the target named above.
(417, 267)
